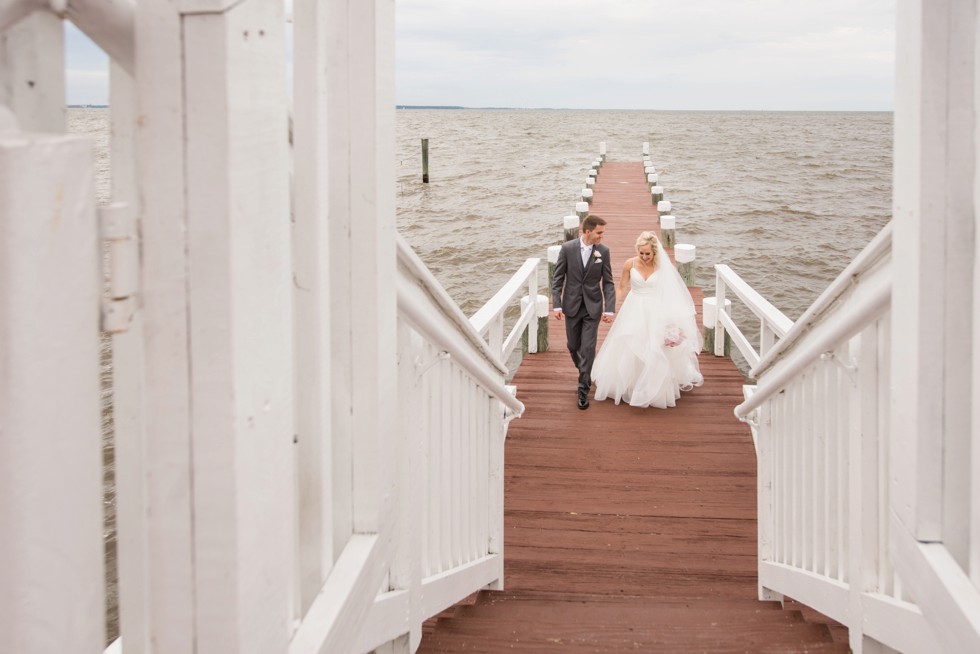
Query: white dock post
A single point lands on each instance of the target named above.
(663, 206)
(709, 316)
(657, 194)
(667, 234)
(684, 255)
(553, 261)
(571, 226)
(582, 211)
(597, 164)
(541, 320)
(646, 148)
(51, 552)
(602, 150)
(587, 194)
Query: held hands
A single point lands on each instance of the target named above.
(607, 317)
(559, 314)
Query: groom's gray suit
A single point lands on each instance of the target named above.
(583, 293)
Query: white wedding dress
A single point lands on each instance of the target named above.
(650, 353)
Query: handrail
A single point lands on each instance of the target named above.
(774, 322)
(753, 300)
(460, 340)
(879, 246)
(408, 258)
(872, 302)
(489, 319)
(498, 303)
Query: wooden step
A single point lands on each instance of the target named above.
(680, 635)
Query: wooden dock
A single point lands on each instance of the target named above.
(625, 528)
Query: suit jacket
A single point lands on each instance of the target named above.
(590, 286)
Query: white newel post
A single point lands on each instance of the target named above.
(51, 552)
(363, 375)
(312, 303)
(240, 326)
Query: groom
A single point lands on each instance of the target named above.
(583, 280)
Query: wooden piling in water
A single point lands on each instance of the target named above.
(667, 231)
(425, 161)
(684, 256)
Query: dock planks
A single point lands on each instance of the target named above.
(627, 528)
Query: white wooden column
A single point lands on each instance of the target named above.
(51, 553)
(373, 307)
(217, 321)
(933, 258)
(974, 556)
(363, 370)
(127, 391)
(240, 324)
(32, 72)
(167, 403)
(925, 195)
(312, 253)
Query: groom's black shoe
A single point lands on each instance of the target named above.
(583, 400)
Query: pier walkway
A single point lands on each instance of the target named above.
(625, 528)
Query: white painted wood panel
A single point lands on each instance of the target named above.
(311, 248)
(240, 327)
(132, 521)
(51, 552)
(921, 87)
(32, 72)
(166, 406)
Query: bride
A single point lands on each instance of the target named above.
(651, 351)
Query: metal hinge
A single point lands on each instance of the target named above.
(122, 240)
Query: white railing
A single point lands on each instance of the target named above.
(773, 324)
(453, 412)
(820, 409)
(488, 321)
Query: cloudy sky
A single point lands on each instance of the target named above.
(626, 54)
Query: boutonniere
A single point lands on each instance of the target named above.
(596, 256)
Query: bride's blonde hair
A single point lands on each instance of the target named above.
(648, 238)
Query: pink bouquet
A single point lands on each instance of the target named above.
(673, 336)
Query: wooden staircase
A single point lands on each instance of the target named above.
(629, 530)
(539, 622)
